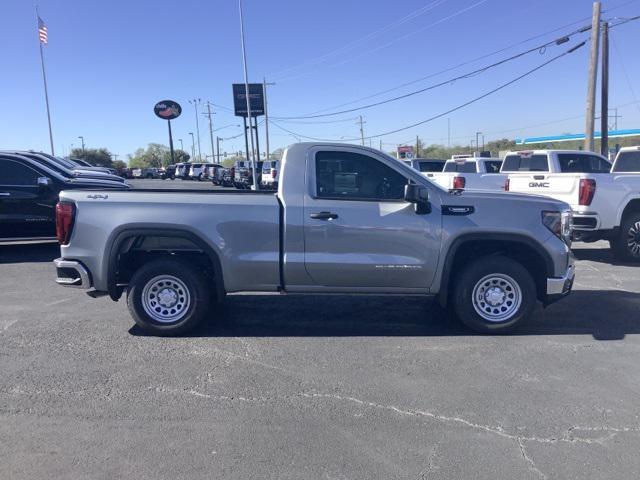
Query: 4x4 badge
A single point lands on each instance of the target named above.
(95, 196)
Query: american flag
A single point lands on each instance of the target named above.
(42, 32)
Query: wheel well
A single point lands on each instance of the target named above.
(132, 251)
(632, 207)
(472, 250)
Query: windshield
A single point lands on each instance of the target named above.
(433, 166)
(466, 167)
(627, 162)
(525, 163)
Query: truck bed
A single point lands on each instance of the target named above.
(242, 224)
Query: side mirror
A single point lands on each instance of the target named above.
(43, 182)
(419, 196)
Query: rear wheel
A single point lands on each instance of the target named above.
(494, 294)
(168, 297)
(626, 246)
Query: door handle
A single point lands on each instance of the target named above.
(324, 216)
(5, 194)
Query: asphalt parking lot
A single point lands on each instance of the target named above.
(317, 387)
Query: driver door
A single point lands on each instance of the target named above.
(359, 232)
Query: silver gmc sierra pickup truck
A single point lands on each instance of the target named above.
(345, 219)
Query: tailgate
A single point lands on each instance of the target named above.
(564, 187)
(445, 180)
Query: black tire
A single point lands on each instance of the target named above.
(500, 272)
(195, 304)
(626, 246)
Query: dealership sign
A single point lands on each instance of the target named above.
(167, 109)
(405, 152)
(256, 99)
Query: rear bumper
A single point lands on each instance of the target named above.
(559, 287)
(586, 221)
(70, 273)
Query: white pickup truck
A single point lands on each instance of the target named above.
(471, 173)
(606, 206)
(627, 160)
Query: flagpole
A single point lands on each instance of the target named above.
(46, 92)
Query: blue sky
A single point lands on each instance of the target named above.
(108, 63)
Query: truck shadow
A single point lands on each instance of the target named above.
(29, 253)
(605, 315)
(601, 255)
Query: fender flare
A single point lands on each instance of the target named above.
(127, 234)
(463, 239)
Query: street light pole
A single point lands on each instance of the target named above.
(477, 144)
(82, 139)
(195, 102)
(193, 147)
(218, 147)
(181, 144)
(246, 91)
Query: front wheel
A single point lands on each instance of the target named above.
(626, 246)
(494, 294)
(167, 297)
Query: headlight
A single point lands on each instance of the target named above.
(560, 224)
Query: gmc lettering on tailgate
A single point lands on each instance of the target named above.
(539, 184)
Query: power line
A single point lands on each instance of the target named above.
(459, 107)
(396, 40)
(540, 48)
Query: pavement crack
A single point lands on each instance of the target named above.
(530, 461)
(568, 436)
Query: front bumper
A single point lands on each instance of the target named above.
(559, 287)
(70, 273)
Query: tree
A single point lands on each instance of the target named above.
(99, 157)
(118, 164)
(156, 155)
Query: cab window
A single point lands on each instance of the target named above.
(582, 163)
(352, 176)
(525, 163)
(15, 174)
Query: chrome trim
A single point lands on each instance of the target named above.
(82, 281)
(586, 215)
(557, 286)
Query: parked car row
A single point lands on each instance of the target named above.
(30, 184)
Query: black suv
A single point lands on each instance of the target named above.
(28, 195)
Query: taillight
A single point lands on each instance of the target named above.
(459, 182)
(65, 213)
(274, 173)
(506, 185)
(587, 190)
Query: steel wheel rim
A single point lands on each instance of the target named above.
(633, 239)
(496, 297)
(166, 299)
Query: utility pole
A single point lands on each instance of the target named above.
(477, 144)
(448, 132)
(417, 147)
(361, 122)
(195, 102)
(593, 77)
(604, 101)
(209, 114)
(266, 115)
(218, 148)
(181, 144)
(82, 140)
